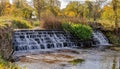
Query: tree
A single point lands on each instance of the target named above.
(96, 12)
(54, 6)
(76, 7)
(19, 3)
(115, 4)
(22, 9)
(88, 9)
(39, 5)
(4, 7)
(107, 13)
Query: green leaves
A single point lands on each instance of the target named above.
(20, 23)
(83, 32)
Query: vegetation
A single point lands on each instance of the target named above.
(20, 23)
(6, 46)
(113, 38)
(16, 23)
(50, 22)
(7, 65)
(5, 40)
(83, 12)
(76, 61)
(83, 32)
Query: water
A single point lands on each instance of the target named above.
(100, 39)
(33, 41)
(27, 42)
(94, 59)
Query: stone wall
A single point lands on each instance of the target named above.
(5, 41)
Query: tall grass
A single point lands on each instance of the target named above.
(5, 40)
(75, 20)
(7, 65)
(51, 23)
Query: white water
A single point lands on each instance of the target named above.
(100, 38)
(34, 41)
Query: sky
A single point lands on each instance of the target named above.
(65, 2)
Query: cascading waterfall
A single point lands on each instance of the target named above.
(100, 39)
(33, 41)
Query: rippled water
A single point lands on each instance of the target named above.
(94, 59)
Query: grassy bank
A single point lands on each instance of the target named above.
(7, 65)
(16, 22)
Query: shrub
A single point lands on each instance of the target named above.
(20, 23)
(6, 46)
(16, 22)
(83, 32)
(51, 22)
(5, 40)
(7, 65)
(113, 38)
(36, 23)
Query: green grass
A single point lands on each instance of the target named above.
(7, 65)
(16, 23)
(76, 61)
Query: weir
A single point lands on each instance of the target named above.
(36, 41)
(100, 39)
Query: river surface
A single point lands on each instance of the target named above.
(94, 59)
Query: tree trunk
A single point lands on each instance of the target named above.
(116, 23)
(115, 14)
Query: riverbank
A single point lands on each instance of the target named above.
(93, 59)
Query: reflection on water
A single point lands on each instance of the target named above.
(100, 62)
(93, 60)
(116, 63)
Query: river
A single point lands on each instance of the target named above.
(93, 59)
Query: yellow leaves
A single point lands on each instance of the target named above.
(107, 24)
(70, 13)
(46, 12)
(107, 8)
(107, 13)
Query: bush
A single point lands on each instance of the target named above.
(36, 23)
(51, 22)
(83, 32)
(6, 46)
(20, 23)
(5, 40)
(7, 65)
(113, 38)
